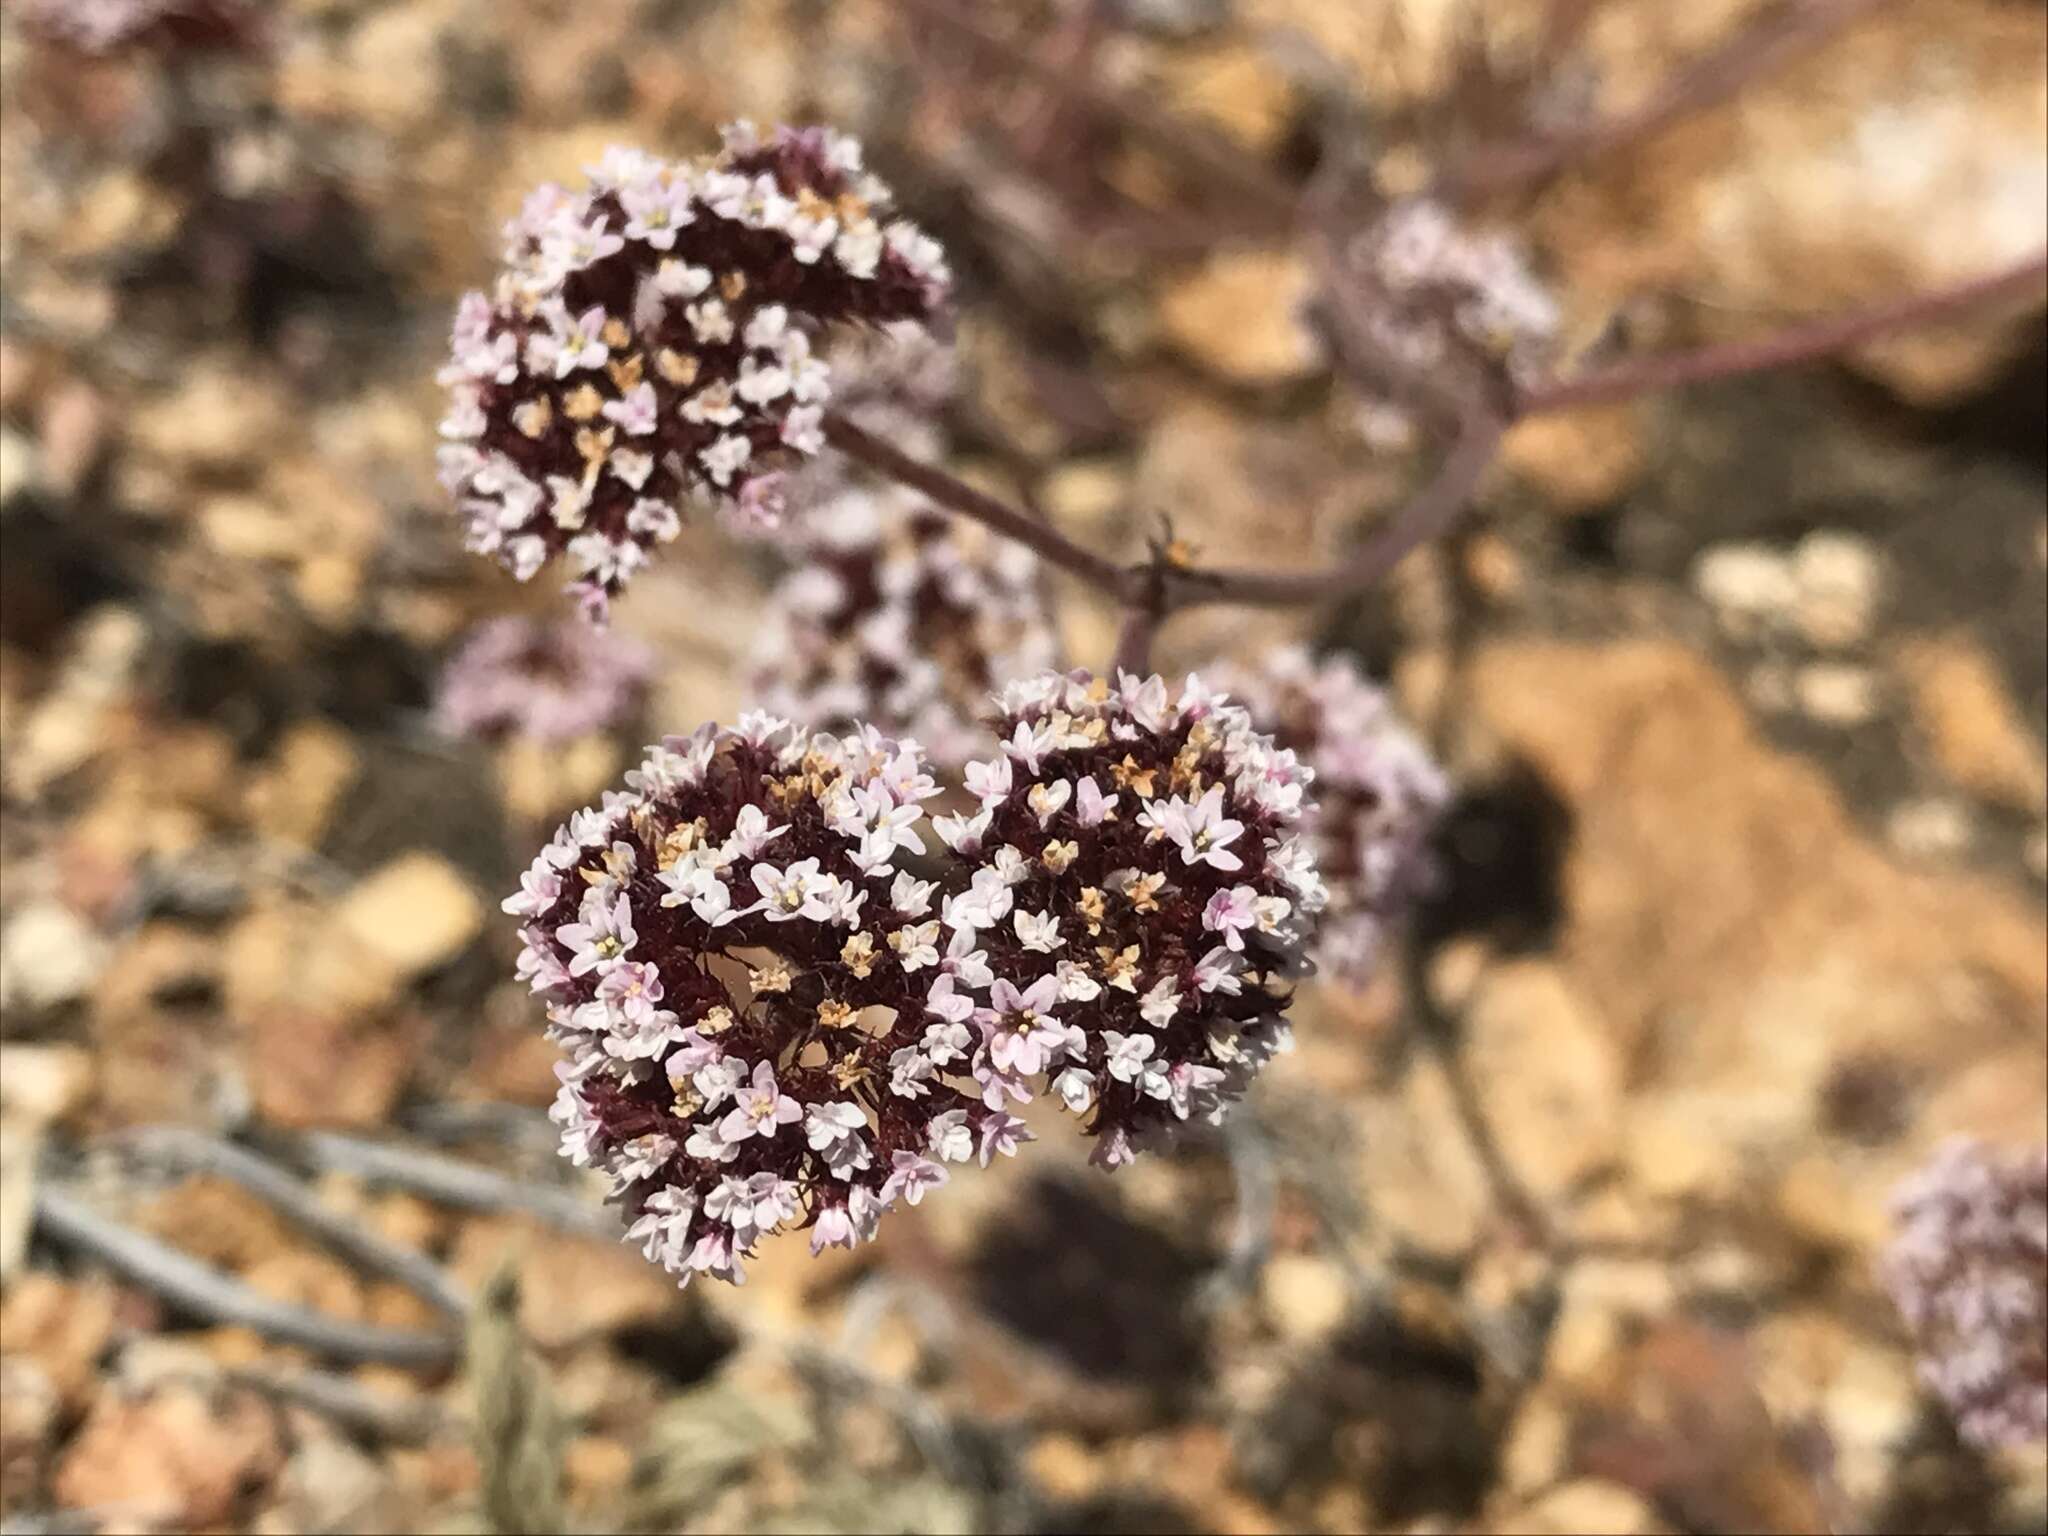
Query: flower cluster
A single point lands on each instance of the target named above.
(1144, 900)
(1379, 795)
(1969, 1272)
(759, 1007)
(105, 26)
(552, 682)
(773, 1019)
(1438, 299)
(900, 616)
(652, 337)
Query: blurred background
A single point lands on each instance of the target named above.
(1569, 1221)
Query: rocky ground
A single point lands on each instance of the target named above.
(1567, 1223)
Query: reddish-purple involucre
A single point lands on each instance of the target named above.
(762, 1010)
(773, 1017)
(651, 339)
(1144, 898)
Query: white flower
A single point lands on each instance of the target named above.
(908, 1071)
(1161, 1003)
(949, 1138)
(1039, 931)
(1128, 1054)
(1076, 1088)
(911, 896)
(834, 1131)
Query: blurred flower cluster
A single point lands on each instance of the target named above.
(550, 681)
(891, 612)
(1969, 1272)
(1378, 796)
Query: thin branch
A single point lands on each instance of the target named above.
(1134, 641)
(1707, 82)
(382, 1416)
(205, 1292)
(452, 1182)
(1047, 541)
(197, 1152)
(1799, 344)
(1203, 153)
(1430, 514)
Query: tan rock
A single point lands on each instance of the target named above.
(1086, 494)
(1579, 461)
(1238, 87)
(314, 766)
(415, 914)
(596, 1467)
(40, 1084)
(1537, 1441)
(61, 1326)
(21, 1147)
(178, 1456)
(30, 1414)
(1837, 693)
(1840, 578)
(1801, 942)
(544, 780)
(220, 416)
(1306, 1295)
(1546, 1068)
(49, 956)
(1240, 317)
(1970, 719)
(1587, 1506)
(572, 1289)
(1906, 155)
(312, 1067)
(1430, 1191)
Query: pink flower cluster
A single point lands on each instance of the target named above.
(1446, 285)
(773, 1018)
(548, 681)
(900, 616)
(1145, 896)
(652, 337)
(1436, 299)
(1379, 795)
(1969, 1272)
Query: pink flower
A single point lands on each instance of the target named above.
(759, 1110)
(602, 938)
(1230, 913)
(912, 1175)
(1020, 1026)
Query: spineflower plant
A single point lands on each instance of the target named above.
(788, 998)
(804, 968)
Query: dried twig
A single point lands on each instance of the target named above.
(195, 1151)
(1209, 158)
(1707, 82)
(380, 1416)
(518, 1426)
(956, 495)
(1799, 344)
(451, 1181)
(1427, 515)
(205, 1292)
